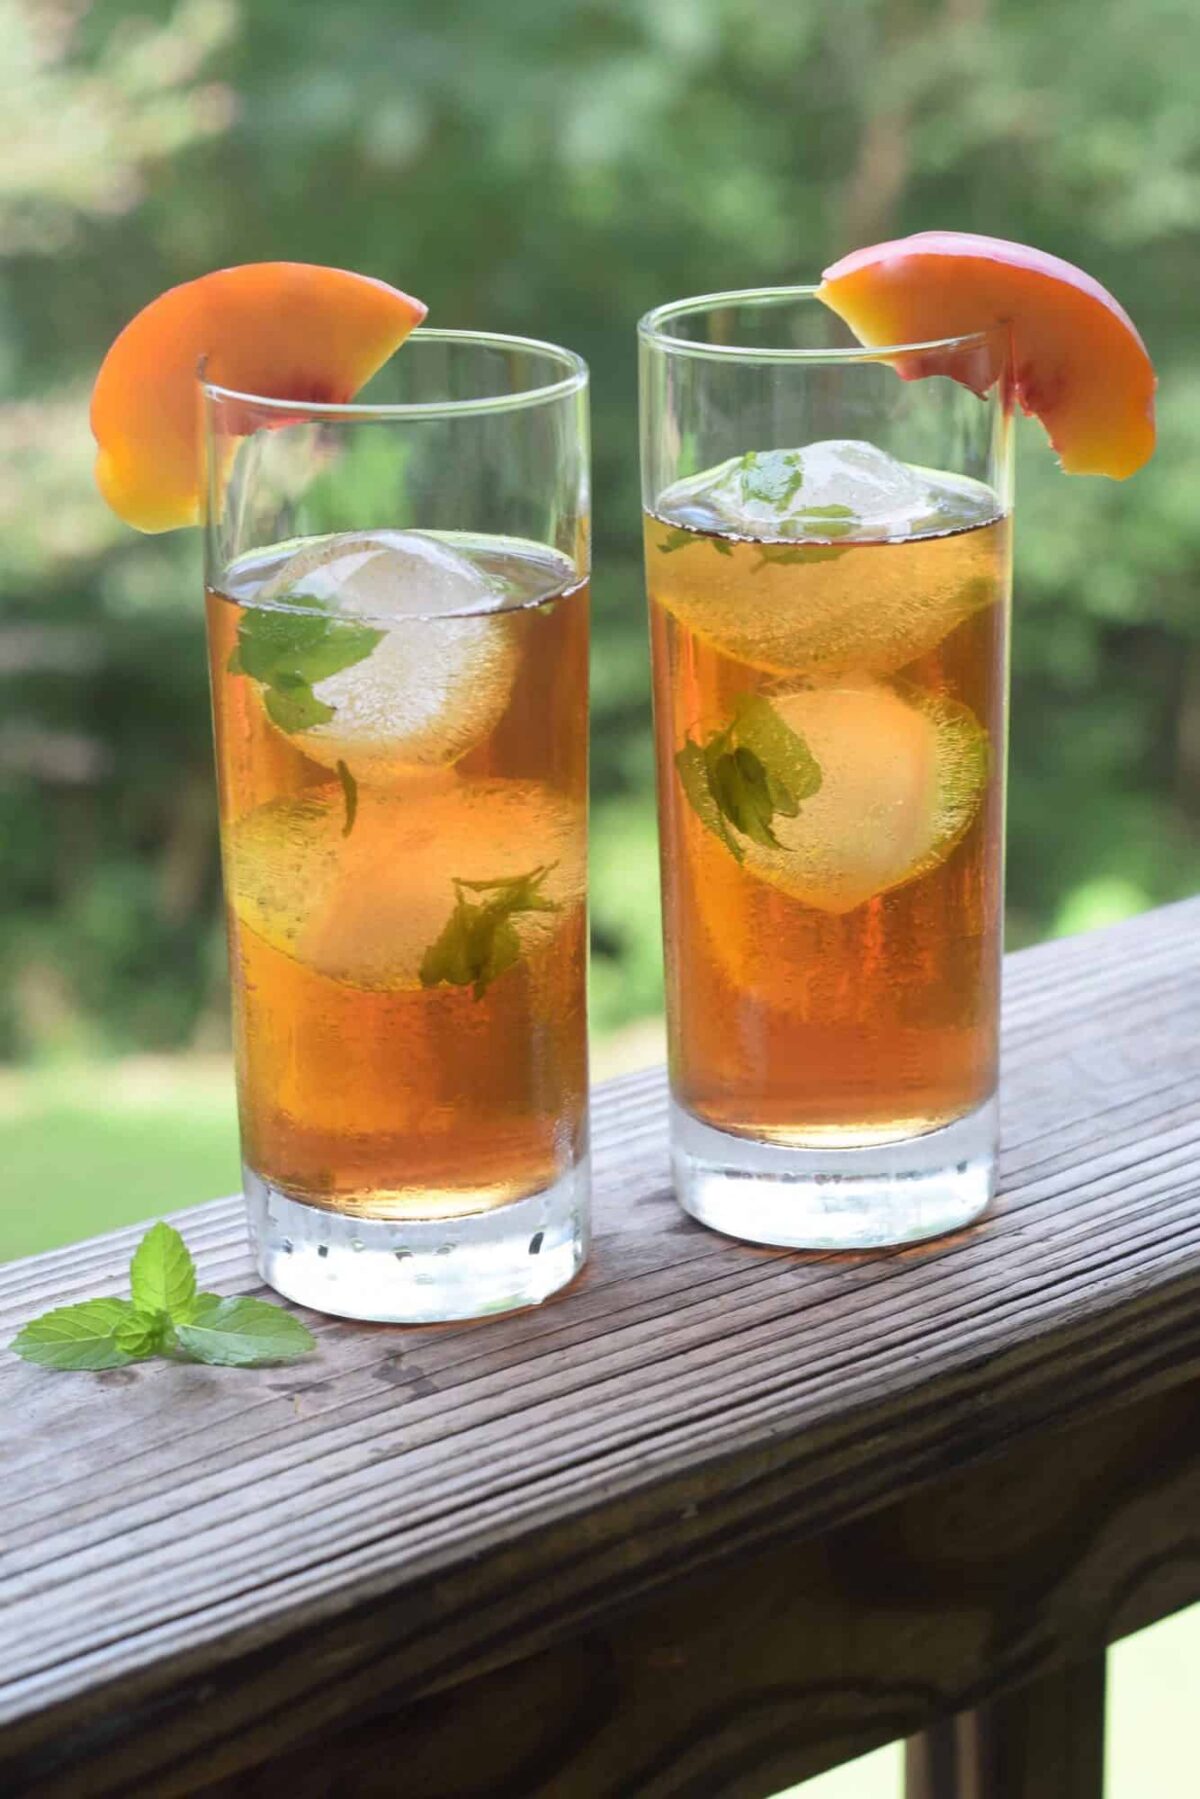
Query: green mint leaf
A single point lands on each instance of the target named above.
(79, 1337)
(296, 710)
(142, 1333)
(450, 957)
(165, 1316)
(479, 942)
(162, 1275)
(695, 777)
(680, 539)
(746, 776)
(289, 652)
(788, 553)
(499, 950)
(241, 1333)
(342, 645)
(773, 477)
(977, 593)
(790, 765)
(350, 794)
(744, 794)
(269, 642)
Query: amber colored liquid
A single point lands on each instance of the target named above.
(361, 1088)
(844, 991)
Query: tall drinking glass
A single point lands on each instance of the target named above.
(398, 631)
(827, 535)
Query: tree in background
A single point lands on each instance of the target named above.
(557, 167)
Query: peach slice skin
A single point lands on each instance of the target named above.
(284, 330)
(1079, 364)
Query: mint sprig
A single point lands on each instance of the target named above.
(166, 1316)
(240, 1333)
(98, 1333)
(289, 652)
(162, 1275)
(479, 941)
(773, 477)
(739, 780)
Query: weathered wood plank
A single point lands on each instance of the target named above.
(988, 1590)
(232, 1550)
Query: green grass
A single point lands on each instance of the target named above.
(87, 1148)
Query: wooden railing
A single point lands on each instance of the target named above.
(715, 1521)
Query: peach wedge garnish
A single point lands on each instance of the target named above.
(1078, 363)
(283, 330)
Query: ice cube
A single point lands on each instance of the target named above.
(902, 777)
(365, 909)
(439, 676)
(852, 563)
(385, 575)
(838, 489)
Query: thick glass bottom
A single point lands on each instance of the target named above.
(863, 1198)
(425, 1271)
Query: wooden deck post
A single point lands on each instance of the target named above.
(1044, 1741)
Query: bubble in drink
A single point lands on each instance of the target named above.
(765, 566)
(438, 676)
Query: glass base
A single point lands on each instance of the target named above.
(863, 1198)
(420, 1271)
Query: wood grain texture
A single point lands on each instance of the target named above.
(982, 1592)
(203, 1566)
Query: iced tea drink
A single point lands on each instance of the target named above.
(829, 629)
(400, 716)
(832, 819)
(404, 850)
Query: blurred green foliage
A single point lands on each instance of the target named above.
(556, 167)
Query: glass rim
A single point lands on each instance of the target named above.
(651, 332)
(573, 381)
